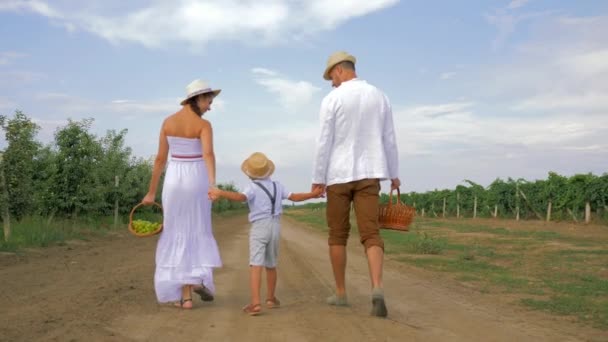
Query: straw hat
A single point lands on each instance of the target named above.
(198, 87)
(258, 166)
(337, 57)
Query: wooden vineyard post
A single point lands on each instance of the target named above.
(116, 181)
(475, 207)
(457, 205)
(6, 218)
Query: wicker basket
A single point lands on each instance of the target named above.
(397, 216)
(154, 232)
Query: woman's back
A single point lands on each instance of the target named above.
(184, 124)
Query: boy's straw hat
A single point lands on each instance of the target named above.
(198, 87)
(335, 58)
(258, 166)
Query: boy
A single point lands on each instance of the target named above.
(264, 197)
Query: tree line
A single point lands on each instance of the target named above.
(78, 174)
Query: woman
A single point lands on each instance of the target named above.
(187, 251)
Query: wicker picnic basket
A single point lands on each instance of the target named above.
(396, 216)
(154, 232)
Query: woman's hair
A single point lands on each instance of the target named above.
(193, 103)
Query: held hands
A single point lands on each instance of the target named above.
(318, 190)
(213, 193)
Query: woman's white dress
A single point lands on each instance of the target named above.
(187, 251)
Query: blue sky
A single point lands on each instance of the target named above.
(480, 89)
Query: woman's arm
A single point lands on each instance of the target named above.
(159, 165)
(208, 154)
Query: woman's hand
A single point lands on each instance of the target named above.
(213, 193)
(148, 199)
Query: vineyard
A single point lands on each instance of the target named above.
(582, 197)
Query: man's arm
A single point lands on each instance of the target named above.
(325, 140)
(390, 145)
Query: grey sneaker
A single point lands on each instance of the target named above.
(337, 300)
(378, 304)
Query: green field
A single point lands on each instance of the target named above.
(555, 267)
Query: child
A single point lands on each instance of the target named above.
(264, 198)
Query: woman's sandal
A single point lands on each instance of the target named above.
(203, 291)
(182, 303)
(252, 309)
(273, 303)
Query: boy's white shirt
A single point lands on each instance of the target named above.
(259, 203)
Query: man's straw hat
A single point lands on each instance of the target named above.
(335, 58)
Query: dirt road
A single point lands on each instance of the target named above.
(102, 290)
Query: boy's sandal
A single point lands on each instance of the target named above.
(252, 309)
(273, 303)
(181, 303)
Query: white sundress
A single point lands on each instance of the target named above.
(186, 252)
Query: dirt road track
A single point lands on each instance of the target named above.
(102, 290)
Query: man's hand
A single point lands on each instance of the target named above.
(395, 184)
(318, 187)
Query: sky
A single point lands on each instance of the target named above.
(480, 89)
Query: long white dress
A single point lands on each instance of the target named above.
(187, 251)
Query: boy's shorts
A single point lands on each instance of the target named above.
(264, 242)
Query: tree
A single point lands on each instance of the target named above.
(76, 182)
(18, 163)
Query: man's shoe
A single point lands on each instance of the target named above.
(337, 300)
(378, 304)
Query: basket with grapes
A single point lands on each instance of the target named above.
(148, 224)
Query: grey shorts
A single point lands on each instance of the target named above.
(264, 239)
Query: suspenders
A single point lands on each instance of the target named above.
(272, 197)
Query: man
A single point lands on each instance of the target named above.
(356, 149)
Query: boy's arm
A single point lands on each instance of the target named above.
(229, 195)
(303, 196)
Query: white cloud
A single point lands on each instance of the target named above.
(506, 21)
(6, 103)
(39, 7)
(7, 57)
(292, 94)
(587, 63)
(563, 68)
(444, 129)
(573, 102)
(15, 77)
(517, 4)
(447, 75)
(198, 22)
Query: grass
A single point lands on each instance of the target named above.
(37, 232)
(559, 273)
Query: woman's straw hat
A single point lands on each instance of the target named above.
(258, 166)
(198, 87)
